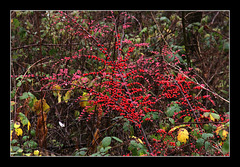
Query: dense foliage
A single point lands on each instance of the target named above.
(119, 83)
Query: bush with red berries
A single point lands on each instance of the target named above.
(113, 95)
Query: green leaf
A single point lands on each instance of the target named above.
(24, 96)
(171, 120)
(143, 30)
(187, 119)
(225, 147)
(31, 95)
(106, 141)
(206, 135)
(173, 109)
(216, 116)
(199, 143)
(119, 140)
(165, 19)
(105, 149)
(178, 143)
(226, 46)
(33, 132)
(207, 144)
(207, 127)
(200, 30)
(23, 119)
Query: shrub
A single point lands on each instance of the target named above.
(109, 81)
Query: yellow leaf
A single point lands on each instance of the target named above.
(59, 98)
(211, 117)
(28, 125)
(218, 129)
(84, 100)
(37, 106)
(27, 154)
(67, 96)
(11, 134)
(136, 139)
(56, 92)
(74, 83)
(16, 125)
(182, 135)
(36, 152)
(13, 103)
(19, 132)
(176, 127)
(224, 134)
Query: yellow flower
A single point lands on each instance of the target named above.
(182, 135)
(18, 131)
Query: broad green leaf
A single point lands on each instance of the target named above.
(225, 147)
(23, 118)
(199, 143)
(214, 116)
(200, 30)
(207, 135)
(207, 144)
(173, 109)
(106, 141)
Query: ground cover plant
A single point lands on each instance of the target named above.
(119, 83)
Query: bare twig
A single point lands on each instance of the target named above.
(214, 18)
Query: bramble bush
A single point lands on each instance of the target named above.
(109, 94)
